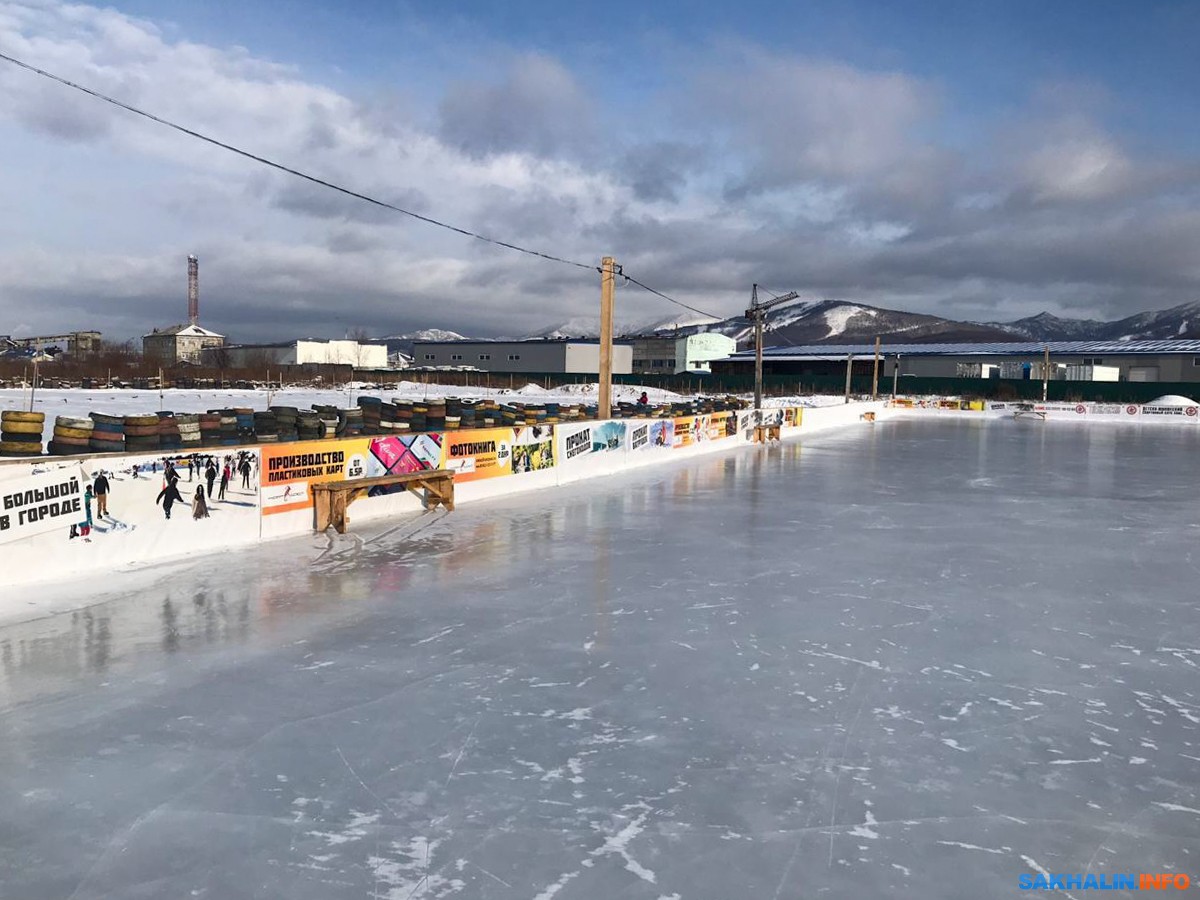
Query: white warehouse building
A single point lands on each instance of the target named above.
(299, 353)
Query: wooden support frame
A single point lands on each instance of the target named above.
(332, 498)
(764, 433)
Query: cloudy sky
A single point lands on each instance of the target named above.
(983, 160)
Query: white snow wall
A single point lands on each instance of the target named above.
(138, 535)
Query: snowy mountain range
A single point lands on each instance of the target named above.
(844, 322)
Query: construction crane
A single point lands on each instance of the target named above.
(757, 313)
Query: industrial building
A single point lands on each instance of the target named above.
(298, 353)
(1134, 361)
(578, 357)
(183, 344)
(678, 355)
(78, 343)
(179, 344)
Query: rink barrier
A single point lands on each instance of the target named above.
(486, 463)
(1058, 411)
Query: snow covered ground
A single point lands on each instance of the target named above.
(919, 659)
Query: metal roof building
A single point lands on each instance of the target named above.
(1164, 360)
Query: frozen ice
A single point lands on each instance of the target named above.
(914, 659)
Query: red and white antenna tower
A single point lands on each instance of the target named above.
(193, 290)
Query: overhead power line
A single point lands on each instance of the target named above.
(288, 169)
(328, 184)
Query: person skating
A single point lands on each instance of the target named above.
(225, 473)
(101, 488)
(245, 469)
(169, 495)
(210, 475)
(199, 505)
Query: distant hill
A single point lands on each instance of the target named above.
(845, 322)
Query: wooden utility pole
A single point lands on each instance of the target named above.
(33, 384)
(607, 290)
(895, 376)
(849, 371)
(1046, 375)
(757, 313)
(875, 372)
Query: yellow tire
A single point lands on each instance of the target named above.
(16, 426)
(20, 448)
(61, 432)
(15, 415)
(141, 420)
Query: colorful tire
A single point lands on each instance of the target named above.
(21, 438)
(61, 431)
(74, 422)
(141, 421)
(141, 430)
(21, 427)
(107, 446)
(105, 419)
(69, 441)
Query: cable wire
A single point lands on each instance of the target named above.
(334, 186)
(645, 287)
(290, 171)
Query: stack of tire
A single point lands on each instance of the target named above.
(141, 433)
(309, 426)
(210, 429)
(435, 417)
(189, 431)
(266, 427)
(71, 435)
(329, 419)
(169, 437)
(245, 424)
(287, 421)
(108, 434)
(371, 410)
(350, 422)
(21, 433)
(229, 427)
(389, 415)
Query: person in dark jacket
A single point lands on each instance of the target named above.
(101, 487)
(210, 475)
(168, 496)
(225, 473)
(244, 468)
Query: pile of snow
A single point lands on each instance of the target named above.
(1173, 400)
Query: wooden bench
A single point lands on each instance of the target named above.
(764, 433)
(330, 498)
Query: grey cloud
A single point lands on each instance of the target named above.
(538, 108)
(308, 199)
(659, 170)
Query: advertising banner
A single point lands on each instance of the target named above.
(533, 448)
(40, 503)
(579, 441)
(650, 435)
(479, 453)
(289, 469)
(402, 454)
(1183, 412)
(684, 427)
(608, 436)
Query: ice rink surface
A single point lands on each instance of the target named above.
(914, 661)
